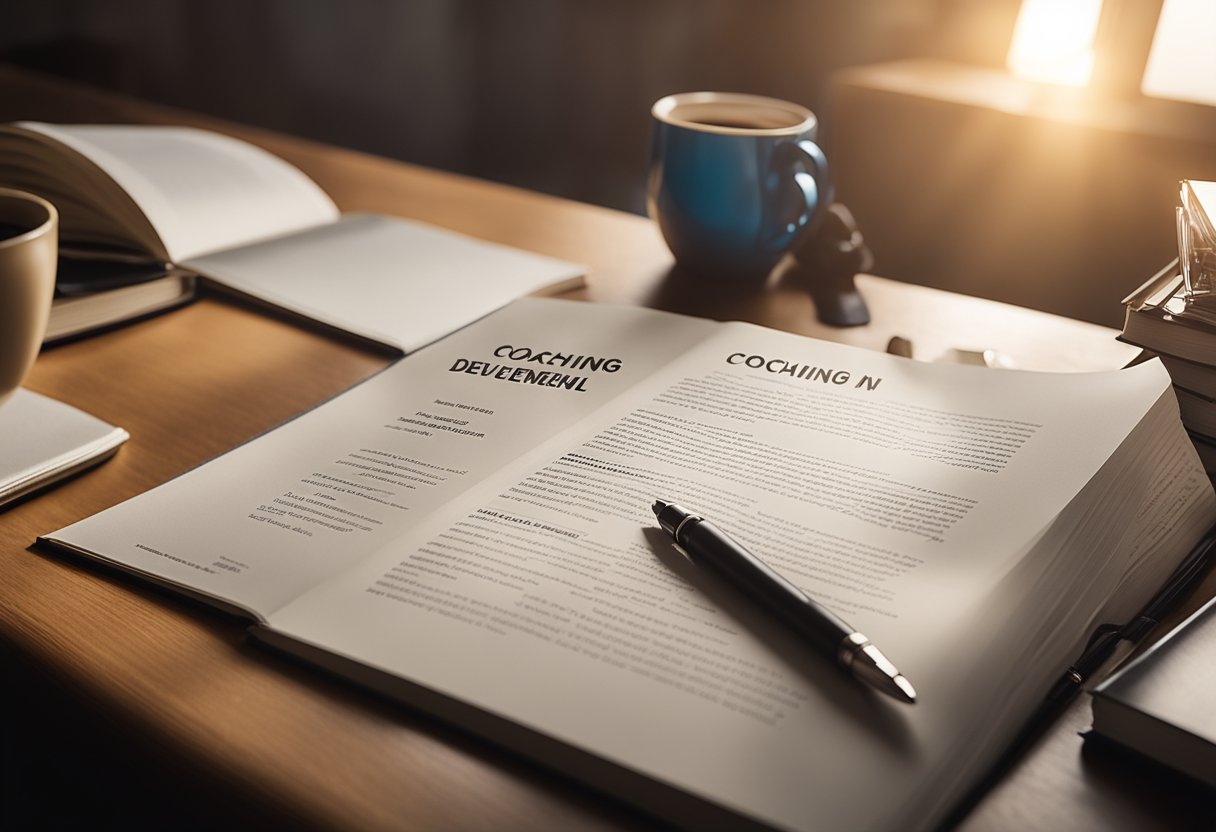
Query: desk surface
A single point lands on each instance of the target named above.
(190, 384)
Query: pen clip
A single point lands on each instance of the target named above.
(1138, 628)
(1100, 635)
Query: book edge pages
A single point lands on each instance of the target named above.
(134, 225)
(64, 466)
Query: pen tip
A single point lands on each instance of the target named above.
(658, 506)
(872, 667)
(906, 691)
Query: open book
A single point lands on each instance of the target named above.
(253, 224)
(470, 531)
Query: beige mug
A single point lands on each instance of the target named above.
(29, 247)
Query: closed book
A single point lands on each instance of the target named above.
(1198, 413)
(1157, 319)
(74, 315)
(1161, 704)
(1190, 375)
(43, 441)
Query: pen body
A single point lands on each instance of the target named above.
(708, 545)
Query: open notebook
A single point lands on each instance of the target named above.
(251, 223)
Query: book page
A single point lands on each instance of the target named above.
(262, 523)
(401, 283)
(897, 493)
(201, 191)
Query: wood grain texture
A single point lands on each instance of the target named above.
(196, 382)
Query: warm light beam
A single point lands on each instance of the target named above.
(1053, 41)
(1182, 63)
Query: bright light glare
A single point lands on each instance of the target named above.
(1182, 63)
(1053, 41)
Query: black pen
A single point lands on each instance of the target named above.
(1110, 645)
(707, 545)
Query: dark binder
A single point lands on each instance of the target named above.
(1160, 705)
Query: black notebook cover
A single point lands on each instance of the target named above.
(1163, 705)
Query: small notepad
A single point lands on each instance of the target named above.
(43, 440)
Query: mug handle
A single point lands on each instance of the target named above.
(814, 186)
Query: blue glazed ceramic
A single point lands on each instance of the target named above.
(734, 180)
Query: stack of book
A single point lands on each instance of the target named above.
(1181, 331)
(1173, 315)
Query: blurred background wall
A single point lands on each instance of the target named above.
(554, 95)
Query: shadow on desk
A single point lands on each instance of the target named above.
(787, 299)
(64, 765)
(1137, 779)
(709, 296)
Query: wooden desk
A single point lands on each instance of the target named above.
(260, 737)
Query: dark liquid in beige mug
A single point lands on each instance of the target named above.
(8, 230)
(741, 123)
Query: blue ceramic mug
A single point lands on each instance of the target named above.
(734, 181)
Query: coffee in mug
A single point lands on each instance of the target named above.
(734, 181)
